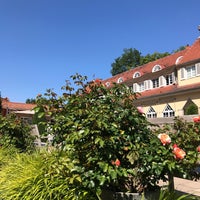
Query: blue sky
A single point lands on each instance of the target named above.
(44, 42)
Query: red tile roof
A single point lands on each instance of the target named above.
(16, 106)
(189, 54)
(165, 62)
(192, 54)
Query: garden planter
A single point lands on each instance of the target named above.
(108, 195)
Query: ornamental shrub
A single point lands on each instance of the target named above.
(114, 145)
(13, 132)
(40, 175)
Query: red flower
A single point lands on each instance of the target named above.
(196, 119)
(198, 148)
(164, 138)
(116, 162)
(178, 153)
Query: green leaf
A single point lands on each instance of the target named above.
(41, 115)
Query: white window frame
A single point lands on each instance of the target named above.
(148, 84)
(156, 68)
(168, 111)
(120, 80)
(107, 84)
(151, 113)
(190, 71)
(136, 74)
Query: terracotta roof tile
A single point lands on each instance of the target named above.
(17, 106)
(192, 54)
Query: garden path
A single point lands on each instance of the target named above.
(186, 186)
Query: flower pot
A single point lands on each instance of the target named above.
(109, 195)
(127, 196)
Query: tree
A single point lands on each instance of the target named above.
(151, 57)
(30, 101)
(128, 60)
(181, 48)
(132, 58)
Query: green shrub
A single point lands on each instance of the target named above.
(13, 132)
(111, 140)
(192, 109)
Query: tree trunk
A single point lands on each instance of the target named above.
(171, 182)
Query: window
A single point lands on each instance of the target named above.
(136, 74)
(155, 83)
(168, 111)
(148, 84)
(120, 80)
(156, 68)
(138, 87)
(107, 84)
(178, 59)
(190, 71)
(151, 113)
(27, 120)
(169, 79)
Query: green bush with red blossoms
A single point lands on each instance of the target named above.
(110, 141)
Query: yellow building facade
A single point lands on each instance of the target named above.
(167, 87)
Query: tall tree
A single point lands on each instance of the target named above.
(151, 57)
(132, 58)
(30, 101)
(128, 60)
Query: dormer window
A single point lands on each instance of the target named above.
(178, 60)
(156, 68)
(136, 74)
(120, 80)
(107, 84)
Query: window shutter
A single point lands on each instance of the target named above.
(173, 77)
(162, 81)
(182, 73)
(147, 84)
(197, 69)
(135, 87)
(150, 84)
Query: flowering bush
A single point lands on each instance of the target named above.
(13, 132)
(111, 140)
